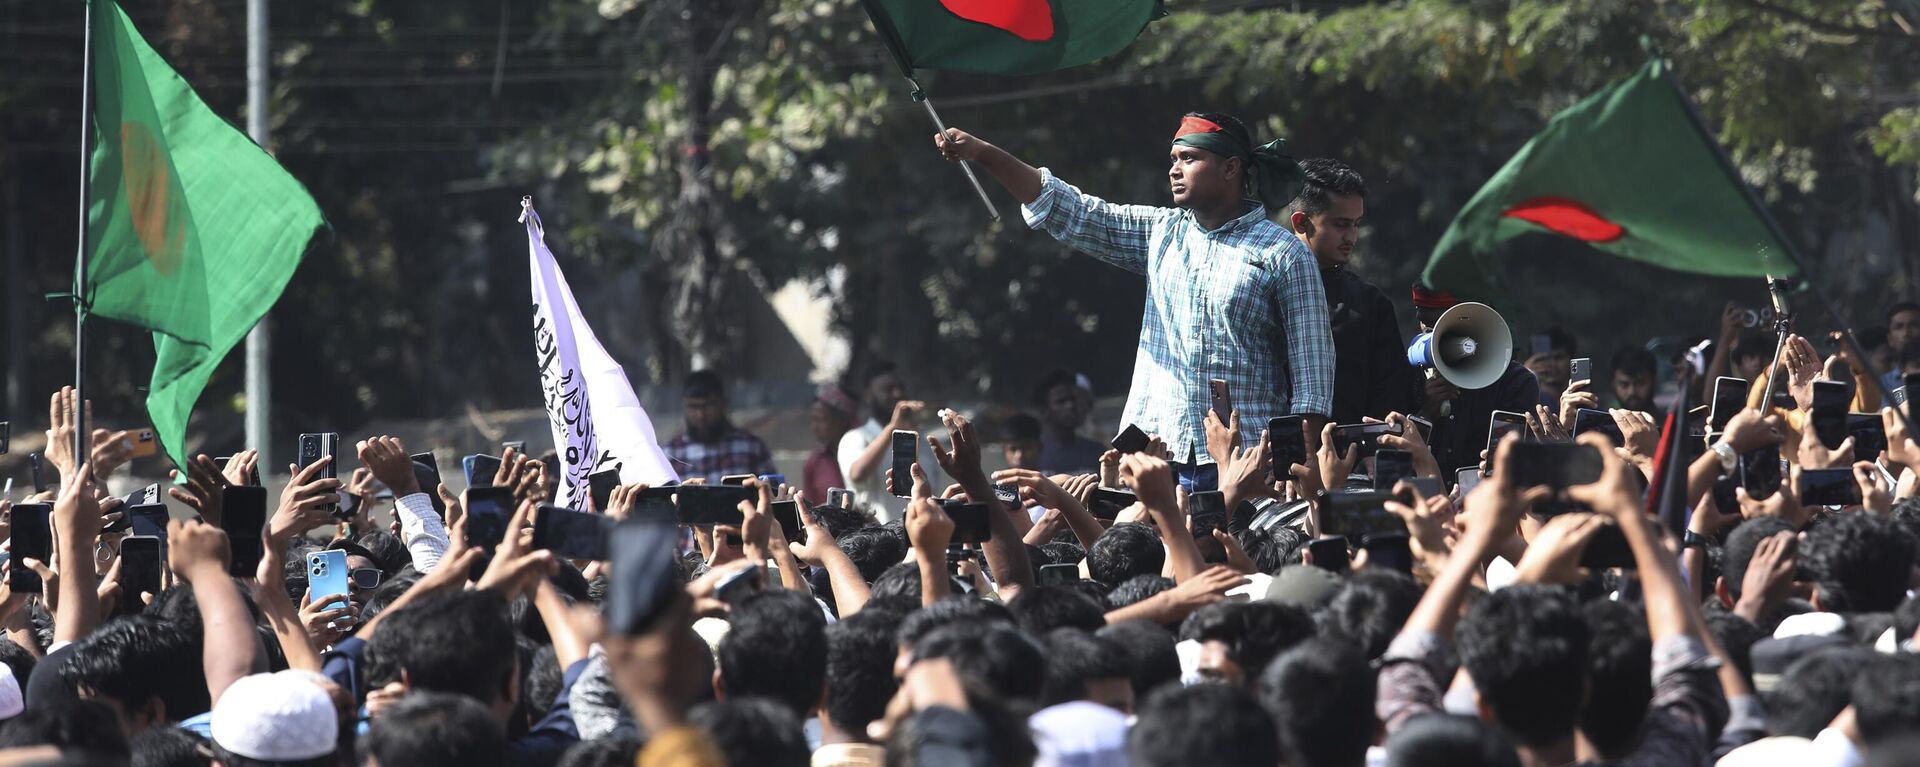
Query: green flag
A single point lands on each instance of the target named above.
(1629, 171)
(193, 229)
(1007, 37)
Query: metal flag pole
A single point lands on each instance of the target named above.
(259, 380)
(1782, 327)
(920, 95)
(80, 293)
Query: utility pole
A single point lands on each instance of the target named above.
(259, 346)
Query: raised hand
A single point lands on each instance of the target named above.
(1815, 455)
(962, 462)
(197, 550)
(1553, 556)
(1769, 579)
(1152, 481)
(929, 529)
(1875, 493)
(1638, 431)
(1334, 467)
(516, 566)
(387, 458)
(203, 487)
(956, 145)
(64, 413)
(111, 450)
(1409, 439)
(1784, 503)
(1803, 368)
(1749, 431)
(1572, 401)
(905, 413)
(239, 468)
(1222, 437)
(304, 502)
(1617, 493)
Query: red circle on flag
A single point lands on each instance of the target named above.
(1030, 20)
(1568, 217)
(148, 180)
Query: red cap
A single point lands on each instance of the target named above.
(1428, 298)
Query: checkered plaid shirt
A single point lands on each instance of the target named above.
(1242, 303)
(738, 452)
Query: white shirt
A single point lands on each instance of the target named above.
(873, 491)
(422, 531)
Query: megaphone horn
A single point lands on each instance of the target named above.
(1469, 346)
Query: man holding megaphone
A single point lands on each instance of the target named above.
(1467, 351)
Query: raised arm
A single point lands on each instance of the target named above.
(76, 524)
(874, 456)
(198, 552)
(1117, 234)
(1006, 552)
(821, 550)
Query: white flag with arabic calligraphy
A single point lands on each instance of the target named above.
(597, 420)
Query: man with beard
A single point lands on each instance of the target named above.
(712, 446)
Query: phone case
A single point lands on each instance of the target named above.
(327, 577)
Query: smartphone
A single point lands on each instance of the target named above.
(572, 534)
(1107, 503)
(712, 504)
(773, 480)
(1130, 440)
(327, 577)
(600, 485)
(1502, 423)
(1581, 369)
(1222, 400)
(655, 504)
(144, 443)
(735, 588)
(1391, 551)
(32, 539)
(1426, 428)
(1588, 419)
(489, 508)
(1829, 413)
(643, 579)
(428, 459)
(1557, 465)
(1467, 479)
(314, 447)
(243, 512)
(736, 480)
(1911, 383)
(1286, 445)
(1729, 398)
(1725, 499)
(253, 476)
(517, 446)
(787, 513)
(970, 523)
(1358, 513)
(39, 473)
(1008, 494)
(1899, 396)
(149, 519)
(6, 437)
(1427, 487)
(1828, 487)
(840, 497)
(1760, 473)
(1365, 435)
(906, 446)
(140, 561)
(1869, 435)
(480, 469)
(1607, 549)
(1389, 467)
(1330, 554)
(1059, 575)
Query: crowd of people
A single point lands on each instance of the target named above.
(1187, 598)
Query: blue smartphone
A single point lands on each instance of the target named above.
(327, 577)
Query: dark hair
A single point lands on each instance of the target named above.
(1326, 179)
(1742, 543)
(435, 729)
(702, 384)
(1053, 378)
(1006, 739)
(138, 657)
(1619, 676)
(1445, 740)
(1152, 660)
(460, 642)
(1272, 548)
(1886, 698)
(1041, 609)
(840, 522)
(923, 622)
(1060, 553)
(1138, 588)
(872, 550)
(1901, 306)
(776, 648)
(1562, 340)
(1123, 551)
(616, 750)
(1526, 649)
(540, 679)
(21, 662)
(1022, 428)
(1076, 657)
(79, 728)
(860, 653)
(1736, 636)
(900, 585)
(231, 759)
(1370, 608)
(1634, 362)
(753, 731)
(1007, 663)
(1814, 690)
(1253, 632)
(1859, 562)
(168, 747)
(389, 591)
(1321, 694)
(387, 551)
(1203, 724)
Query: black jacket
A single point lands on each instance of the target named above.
(1371, 376)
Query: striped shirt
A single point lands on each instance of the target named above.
(1242, 303)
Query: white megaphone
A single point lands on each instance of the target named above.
(1469, 346)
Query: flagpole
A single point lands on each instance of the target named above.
(259, 381)
(920, 95)
(80, 295)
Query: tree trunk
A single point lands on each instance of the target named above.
(695, 237)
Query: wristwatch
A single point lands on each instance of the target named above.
(1728, 458)
(1693, 540)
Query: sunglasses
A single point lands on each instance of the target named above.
(365, 578)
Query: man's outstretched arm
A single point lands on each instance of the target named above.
(1019, 178)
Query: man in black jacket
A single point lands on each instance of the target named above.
(1371, 375)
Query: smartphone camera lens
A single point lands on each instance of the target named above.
(318, 571)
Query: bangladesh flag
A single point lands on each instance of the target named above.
(1630, 171)
(1007, 37)
(194, 230)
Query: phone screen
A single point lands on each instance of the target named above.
(1607, 548)
(488, 509)
(480, 469)
(428, 459)
(1760, 473)
(1366, 435)
(243, 511)
(906, 446)
(32, 539)
(1502, 423)
(1389, 467)
(1729, 397)
(1058, 575)
(642, 584)
(1869, 435)
(1286, 445)
(1330, 554)
(600, 485)
(149, 519)
(140, 566)
(572, 534)
(1587, 419)
(1107, 503)
(712, 504)
(970, 523)
(1912, 384)
(1557, 465)
(517, 446)
(1829, 414)
(787, 513)
(1130, 440)
(1828, 487)
(1467, 479)
(1354, 514)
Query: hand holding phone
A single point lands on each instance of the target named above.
(1130, 440)
(1286, 445)
(243, 512)
(31, 538)
(572, 534)
(906, 447)
(1222, 400)
(1829, 412)
(1581, 369)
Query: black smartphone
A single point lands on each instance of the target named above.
(1389, 467)
(1729, 398)
(1502, 423)
(735, 588)
(428, 459)
(1427, 487)
(480, 469)
(316, 446)
(140, 561)
(149, 519)
(1107, 503)
(1607, 548)
(970, 524)
(1760, 473)
(736, 480)
(1588, 419)
(1869, 435)
(253, 474)
(906, 447)
(243, 512)
(1358, 513)
(572, 534)
(517, 446)
(1828, 487)
(1391, 551)
(6, 437)
(600, 485)
(1580, 369)
(1557, 465)
(1365, 435)
(32, 539)
(787, 513)
(643, 583)
(1286, 445)
(39, 472)
(489, 508)
(1829, 414)
(1130, 440)
(1058, 575)
(1330, 554)
(1222, 400)
(655, 504)
(1426, 429)
(712, 504)
(1911, 383)
(1725, 499)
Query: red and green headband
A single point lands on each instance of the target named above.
(1272, 174)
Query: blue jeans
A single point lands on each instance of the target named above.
(1196, 478)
